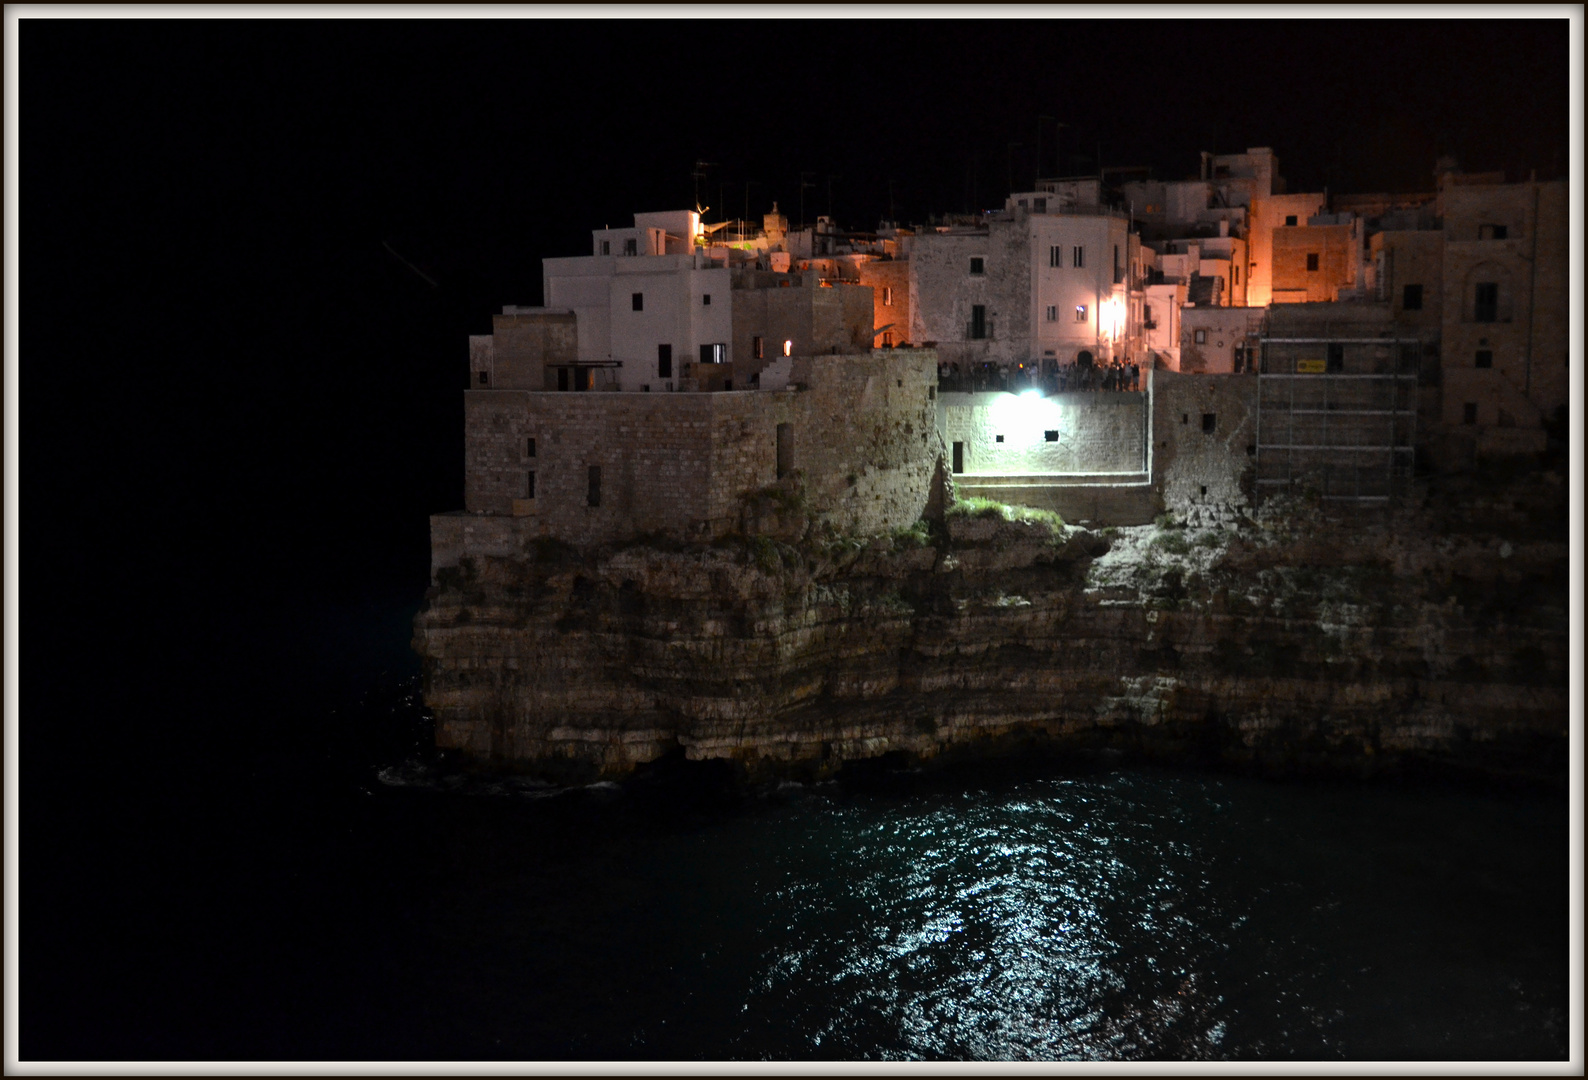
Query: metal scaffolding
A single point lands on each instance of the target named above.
(1337, 414)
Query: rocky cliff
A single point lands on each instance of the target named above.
(1298, 639)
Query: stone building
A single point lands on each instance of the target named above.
(1504, 327)
(1039, 283)
(852, 437)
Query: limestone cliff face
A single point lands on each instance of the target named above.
(1292, 641)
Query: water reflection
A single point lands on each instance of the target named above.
(1030, 928)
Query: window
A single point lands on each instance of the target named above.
(998, 438)
(639, 301)
(1053, 313)
(1491, 232)
(593, 496)
(530, 449)
(1200, 337)
(785, 450)
(1119, 276)
(887, 296)
(788, 348)
(485, 380)
(1080, 312)
(1469, 413)
(1039, 206)
(758, 348)
(1055, 255)
(1077, 257)
(1336, 357)
(715, 353)
(606, 247)
(529, 485)
(1290, 219)
(978, 322)
(887, 339)
(664, 361)
(1235, 268)
(1050, 436)
(959, 457)
(1484, 358)
(705, 299)
(1210, 423)
(1486, 302)
(631, 246)
(1312, 260)
(977, 266)
(562, 378)
(1412, 298)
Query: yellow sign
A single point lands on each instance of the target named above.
(1311, 367)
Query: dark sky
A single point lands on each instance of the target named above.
(216, 330)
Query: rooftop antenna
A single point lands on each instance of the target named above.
(804, 183)
(1040, 117)
(700, 174)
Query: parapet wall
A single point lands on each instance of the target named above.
(1010, 435)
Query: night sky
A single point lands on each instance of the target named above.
(220, 333)
(240, 406)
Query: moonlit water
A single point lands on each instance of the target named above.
(1014, 912)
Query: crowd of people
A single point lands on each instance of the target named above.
(1050, 377)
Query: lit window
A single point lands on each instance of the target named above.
(977, 266)
(1078, 257)
(788, 348)
(1080, 309)
(1053, 313)
(887, 296)
(757, 349)
(1200, 337)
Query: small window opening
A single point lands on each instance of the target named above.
(959, 457)
(1050, 436)
(1210, 423)
(705, 299)
(1469, 413)
(529, 485)
(887, 296)
(758, 348)
(1485, 358)
(664, 361)
(1491, 232)
(631, 246)
(1080, 313)
(788, 348)
(1486, 302)
(529, 445)
(1412, 298)
(1336, 358)
(1290, 219)
(1204, 489)
(1078, 257)
(1199, 336)
(593, 497)
(977, 266)
(485, 380)
(998, 438)
(1185, 418)
(638, 301)
(606, 247)
(1312, 260)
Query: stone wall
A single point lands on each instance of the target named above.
(1007, 434)
(1205, 435)
(943, 292)
(858, 430)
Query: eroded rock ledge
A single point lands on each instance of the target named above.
(1294, 640)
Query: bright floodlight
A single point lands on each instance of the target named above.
(1031, 393)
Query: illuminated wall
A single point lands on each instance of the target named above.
(1012, 435)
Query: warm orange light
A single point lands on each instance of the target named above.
(788, 348)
